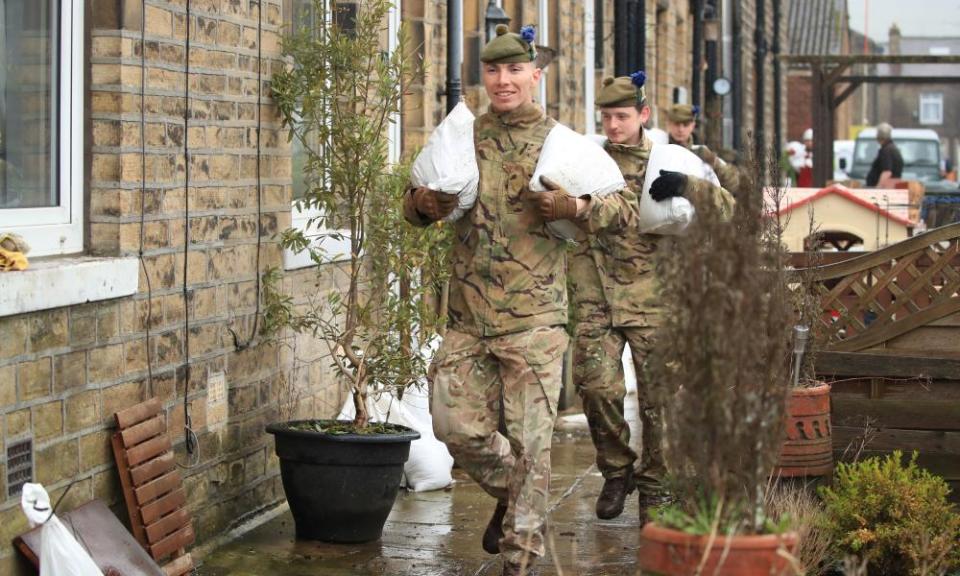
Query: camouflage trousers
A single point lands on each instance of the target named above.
(599, 378)
(473, 378)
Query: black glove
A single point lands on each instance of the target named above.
(669, 185)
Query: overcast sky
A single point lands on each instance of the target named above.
(914, 17)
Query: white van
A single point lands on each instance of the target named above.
(920, 149)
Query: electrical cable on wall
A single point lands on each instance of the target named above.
(237, 344)
(143, 191)
(189, 436)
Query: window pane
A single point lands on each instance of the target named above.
(29, 52)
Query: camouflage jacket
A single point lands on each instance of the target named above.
(509, 271)
(612, 273)
(728, 174)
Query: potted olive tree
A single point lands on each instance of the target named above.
(719, 366)
(337, 97)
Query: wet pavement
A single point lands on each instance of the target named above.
(438, 533)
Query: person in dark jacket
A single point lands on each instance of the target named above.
(889, 163)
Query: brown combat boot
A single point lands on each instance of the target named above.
(494, 531)
(614, 493)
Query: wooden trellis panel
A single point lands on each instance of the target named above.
(872, 299)
(152, 486)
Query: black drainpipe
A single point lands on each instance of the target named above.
(761, 86)
(454, 52)
(697, 52)
(737, 75)
(630, 36)
(777, 82)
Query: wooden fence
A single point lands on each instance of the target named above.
(892, 324)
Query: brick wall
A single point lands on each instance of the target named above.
(64, 372)
(800, 108)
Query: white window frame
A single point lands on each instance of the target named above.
(927, 98)
(59, 229)
(308, 220)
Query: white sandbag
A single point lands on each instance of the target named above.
(60, 553)
(673, 215)
(579, 166)
(598, 139)
(448, 162)
(657, 136)
(429, 465)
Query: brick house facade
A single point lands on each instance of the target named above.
(202, 200)
(65, 370)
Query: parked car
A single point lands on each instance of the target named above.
(920, 149)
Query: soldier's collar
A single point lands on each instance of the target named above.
(523, 116)
(641, 150)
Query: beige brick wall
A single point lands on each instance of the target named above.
(64, 372)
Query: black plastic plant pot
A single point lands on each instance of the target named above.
(340, 487)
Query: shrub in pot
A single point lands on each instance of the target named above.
(719, 367)
(894, 516)
(808, 440)
(337, 97)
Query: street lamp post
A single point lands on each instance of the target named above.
(494, 16)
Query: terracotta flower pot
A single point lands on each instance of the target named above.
(669, 552)
(808, 447)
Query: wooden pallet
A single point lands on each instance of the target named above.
(152, 486)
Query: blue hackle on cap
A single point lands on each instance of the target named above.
(696, 111)
(528, 33)
(638, 78)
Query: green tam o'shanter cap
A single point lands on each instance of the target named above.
(623, 91)
(682, 113)
(509, 47)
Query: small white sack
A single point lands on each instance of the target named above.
(657, 136)
(60, 553)
(429, 465)
(448, 162)
(578, 165)
(671, 216)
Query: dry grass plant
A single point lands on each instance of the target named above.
(798, 504)
(720, 366)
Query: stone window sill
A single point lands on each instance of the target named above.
(57, 282)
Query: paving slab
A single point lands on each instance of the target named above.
(438, 533)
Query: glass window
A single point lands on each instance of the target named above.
(931, 108)
(41, 103)
(28, 104)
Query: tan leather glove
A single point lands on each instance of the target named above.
(433, 205)
(706, 155)
(555, 203)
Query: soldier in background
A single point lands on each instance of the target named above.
(504, 345)
(681, 122)
(613, 289)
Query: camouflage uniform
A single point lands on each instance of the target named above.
(613, 288)
(728, 174)
(505, 340)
